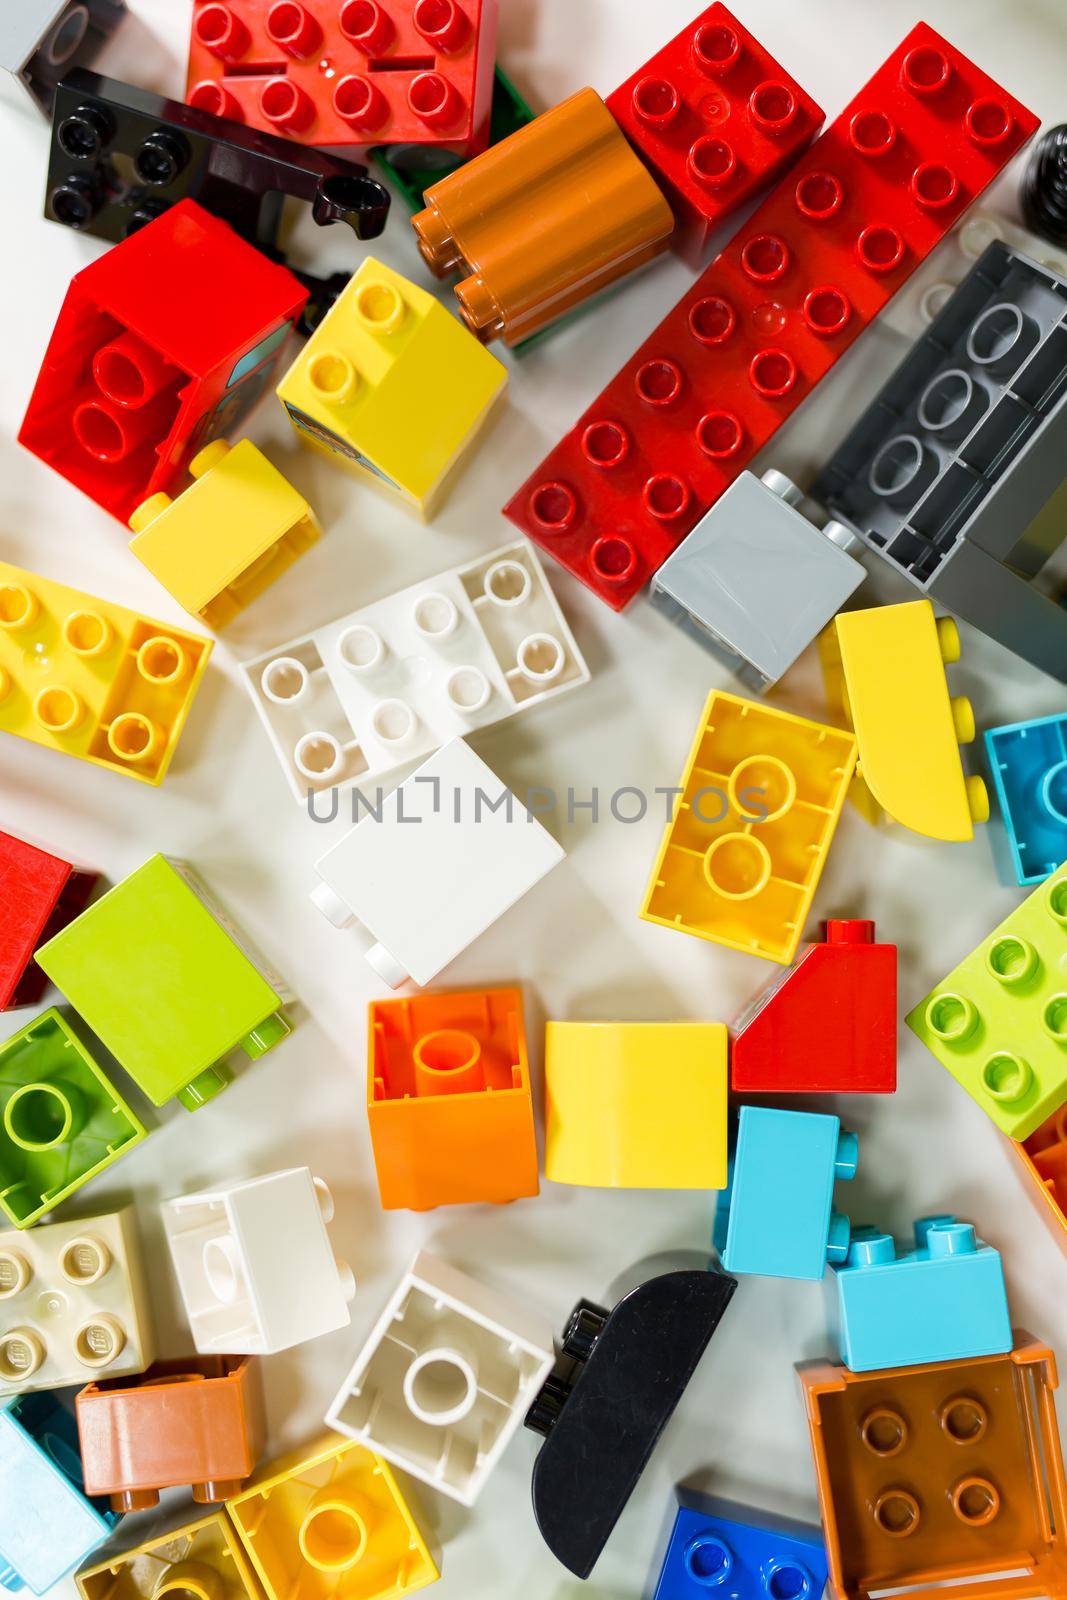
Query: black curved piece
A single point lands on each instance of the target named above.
(1043, 195)
(121, 155)
(620, 1377)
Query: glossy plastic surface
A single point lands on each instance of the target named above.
(39, 894)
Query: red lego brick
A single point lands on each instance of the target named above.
(39, 894)
(349, 72)
(817, 261)
(715, 119)
(827, 1025)
(162, 344)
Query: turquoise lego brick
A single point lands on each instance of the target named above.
(741, 1553)
(776, 1217)
(47, 1524)
(1028, 764)
(943, 1301)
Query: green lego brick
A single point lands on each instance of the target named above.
(999, 1021)
(167, 984)
(61, 1120)
(510, 113)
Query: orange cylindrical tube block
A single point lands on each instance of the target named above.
(543, 219)
(197, 1423)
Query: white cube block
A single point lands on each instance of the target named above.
(451, 850)
(74, 1304)
(254, 1264)
(384, 686)
(445, 1378)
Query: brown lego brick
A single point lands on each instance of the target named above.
(197, 1422)
(949, 1473)
(543, 219)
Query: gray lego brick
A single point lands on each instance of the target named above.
(755, 581)
(41, 40)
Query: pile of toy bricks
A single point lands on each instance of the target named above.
(933, 1429)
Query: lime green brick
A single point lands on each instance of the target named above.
(166, 984)
(61, 1120)
(999, 1021)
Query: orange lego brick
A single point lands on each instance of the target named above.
(196, 1422)
(1042, 1161)
(542, 220)
(948, 1473)
(449, 1100)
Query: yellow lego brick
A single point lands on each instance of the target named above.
(636, 1105)
(176, 1557)
(90, 678)
(228, 536)
(742, 856)
(329, 1523)
(391, 385)
(885, 678)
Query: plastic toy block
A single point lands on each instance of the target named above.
(444, 1379)
(228, 537)
(330, 1522)
(122, 155)
(426, 896)
(62, 1122)
(73, 1302)
(933, 285)
(760, 798)
(636, 1105)
(943, 1301)
(87, 677)
(48, 1525)
(885, 678)
(776, 1217)
(543, 220)
(412, 170)
(39, 894)
(449, 1102)
(349, 72)
(196, 1422)
(755, 581)
(391, 386)
(396, 680)
(828, 1025)
(174, 1555)
(757, 1553)
(254, 1266)
(813, 266)
(620, 1376)
(167, 984)
(41, 40)
(1042, 1161)
(948, 1474)
(1044, 186)
(162, 344)
(1028, 761)
(716, 119)
(954, 474)
(998, 1022)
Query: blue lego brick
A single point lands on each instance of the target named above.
(943, 1301)
(47, 1524)
(776, 1218)
(1028, 761)
(742, 1553)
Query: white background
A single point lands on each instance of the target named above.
(576, 943)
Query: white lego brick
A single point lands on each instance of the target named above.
(450, 851)
(254, 1265)
(74, 1304)
(756, 581)
(392, 682)
(41, 40)
(445, 1378)
(912, 310)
